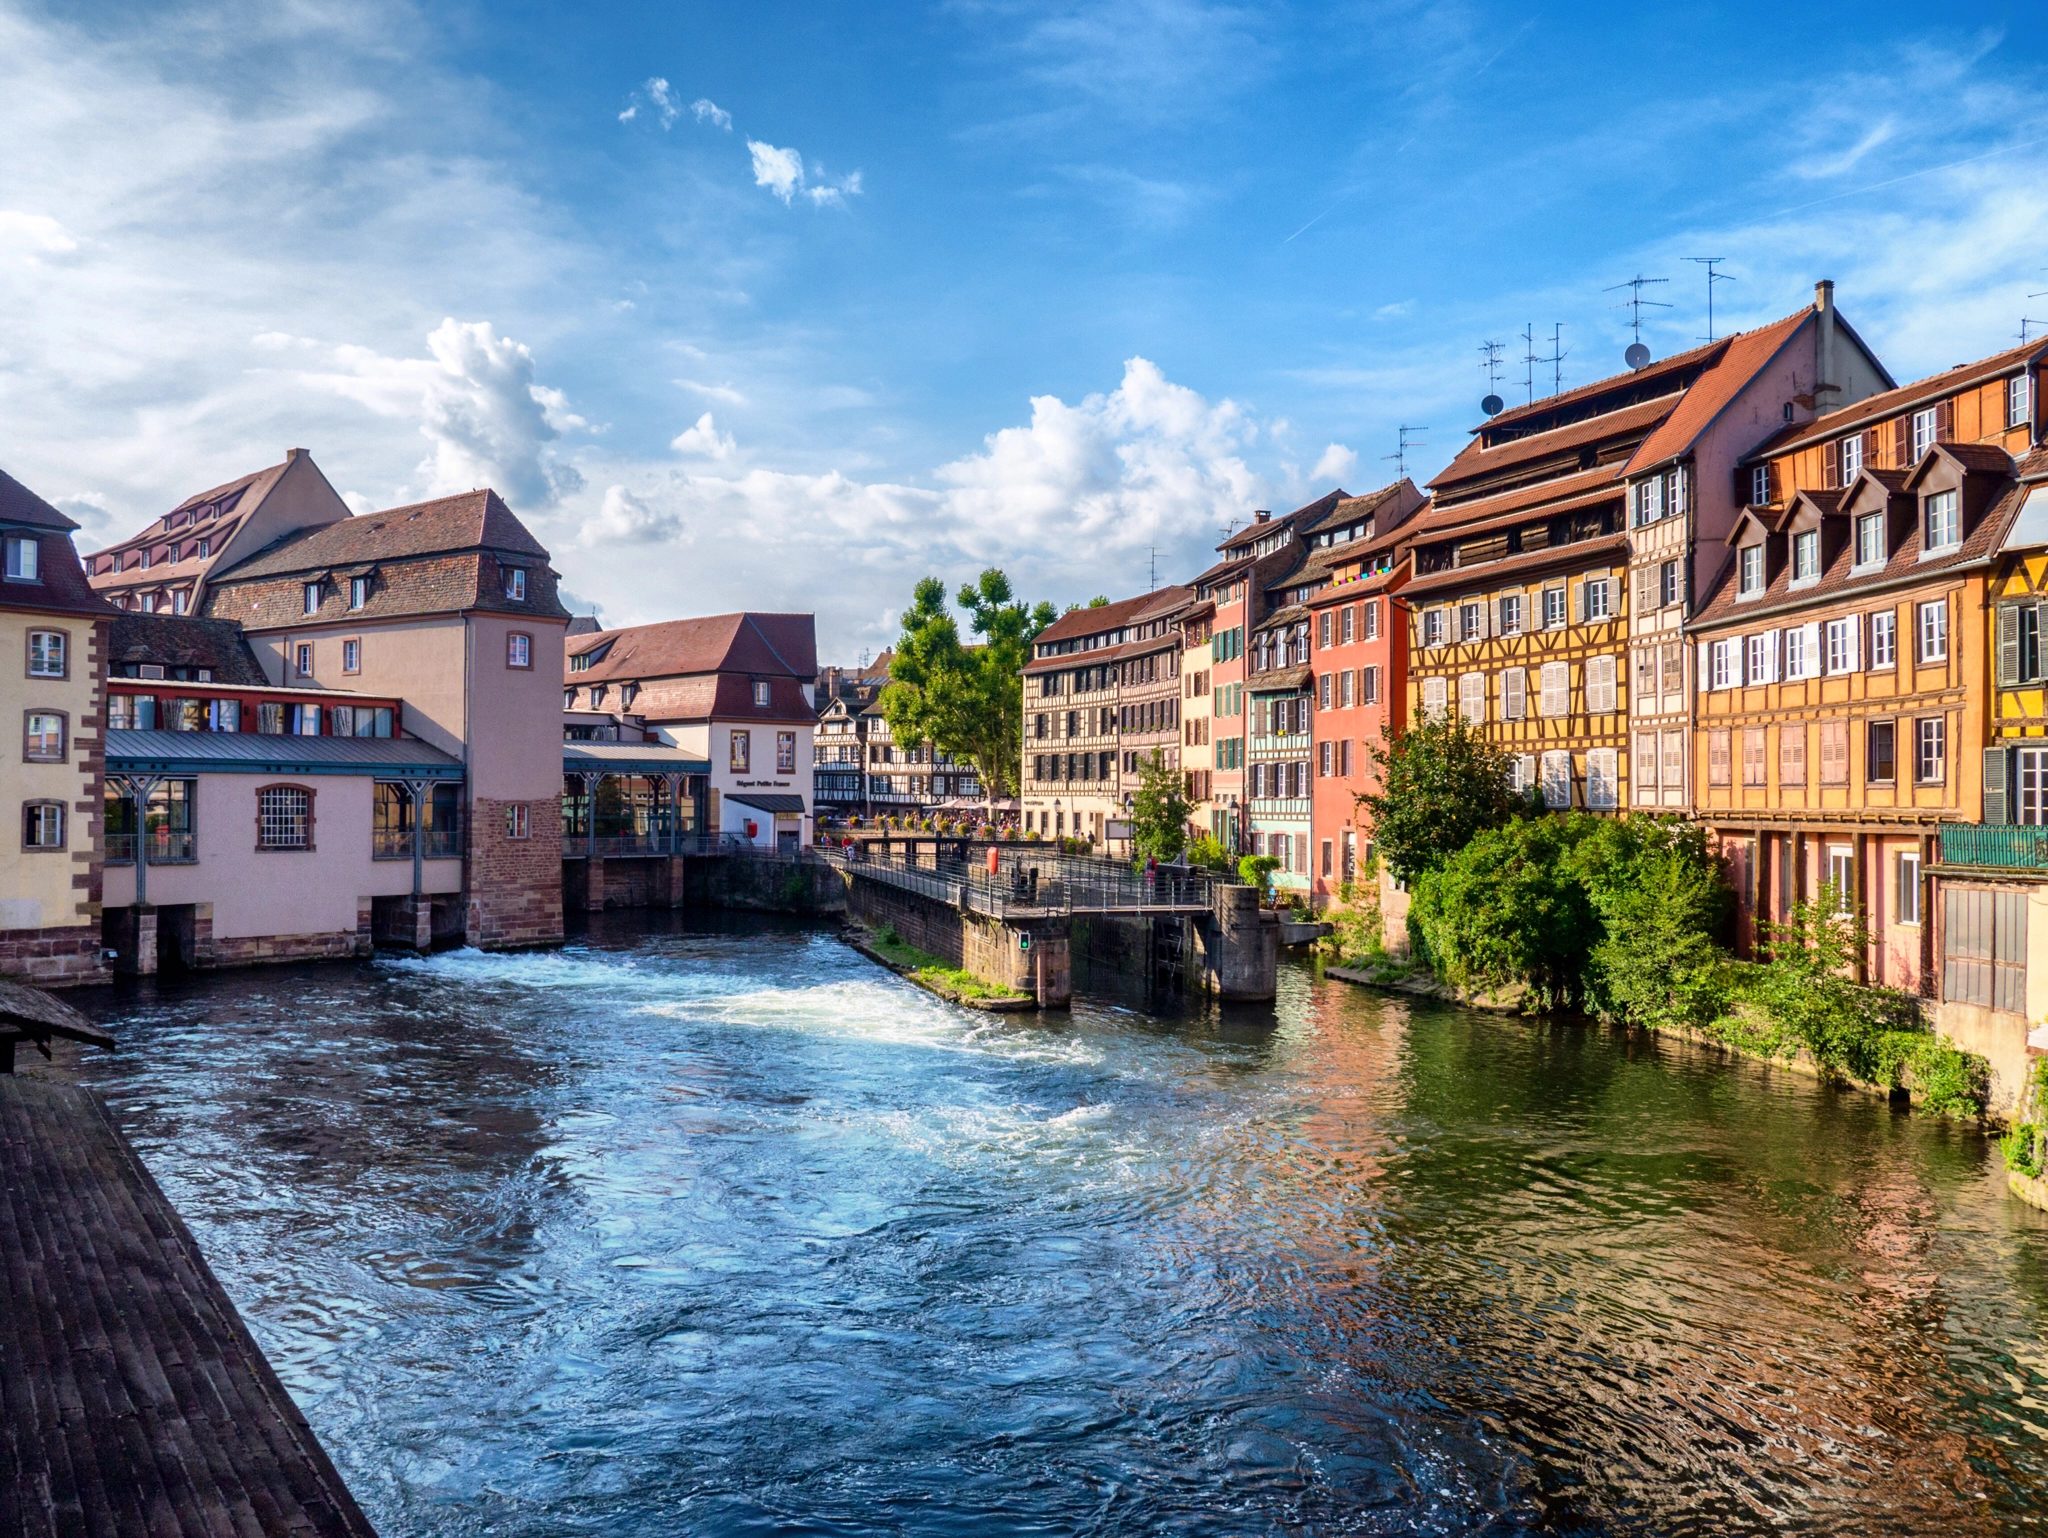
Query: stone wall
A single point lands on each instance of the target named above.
(515, 884)
(993, 951)
(53, 958)
(764, 884)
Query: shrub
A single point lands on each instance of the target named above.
(1206, 853)
(1441, 782)
(1508, 908)
(1256, 870)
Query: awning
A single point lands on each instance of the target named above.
(629, 758)
(782, 804)
(185, 753)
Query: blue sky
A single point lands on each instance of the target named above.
(919, 289)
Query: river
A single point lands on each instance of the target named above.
(719, 1229)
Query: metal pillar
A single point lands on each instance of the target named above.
(140, 788)
(420, 791)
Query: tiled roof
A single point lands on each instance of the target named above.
(1286, 616)
(185, 640)
(429, 584)
(474, 520)
(1308, 514)
(1492, 573)
(766, 645)
(20, 505)
(1274, 680)
(1662, 369)
(1093, 621)
(1476, 462)
(1920, 392)
(1723, 608)
(1747, 355)
(1459, 517)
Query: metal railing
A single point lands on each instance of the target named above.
(1028, 882)
(1993, 844)
(166, 847)
(576, 846)
(396, 844)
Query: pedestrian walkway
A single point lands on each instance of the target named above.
(132, 1398)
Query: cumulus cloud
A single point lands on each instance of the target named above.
(783, 173)
(1336, 464)
(477, 405)
(708, 111)
(660, 98)
(32, 236)
(705, 441)
(624, 519)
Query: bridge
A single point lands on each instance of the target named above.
(1013, 925)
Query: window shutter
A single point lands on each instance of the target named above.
(1831, 478)
(1902, 442)
(1944, 421)
(1706, 666)
(1997, 796)
(2008, 645)
(1514, 694)
(1580, 608)
(1812, 648)
(1855, 623)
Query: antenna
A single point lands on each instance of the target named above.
(1556, 359)
(1529, 359)
(1637, 354)
(1493, 404)
(1400, 455)
(1713, 277)
(1154, 552)
(2025, 322)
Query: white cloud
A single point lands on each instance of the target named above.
(782, 173)
(724, 392)
(1336, 464)
(487, 421)
(1394, 311)
(708, 111)
(625, 519)
(666, 104)
(30, 236)
(705, 441)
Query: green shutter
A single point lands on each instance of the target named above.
(2008, 661)
(1997, 796)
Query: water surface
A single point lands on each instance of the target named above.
(727, 1231)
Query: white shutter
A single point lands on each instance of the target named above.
(1855, 643)
(1514, 694)
(1556, 699)
(1600, 685)
(1772, 664)
(1706, 666)
(1812, 634)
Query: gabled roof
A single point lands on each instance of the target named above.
(768, 645)
(1748, 354)
(1975, 458)
(1092, 621)
(184, 640)
(1875, 408)
(20, 505)
(1311, 512)
(1665, 376)
(1477, 462)
(474, 520)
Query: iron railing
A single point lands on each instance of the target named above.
(1028, 882)
(396, 844)
(1993, 844)
(166, 847)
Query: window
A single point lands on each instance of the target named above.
(1792, 753)
(1324, 629)
(1433, 628)
(1870, 540)
(1842, 635)
(358, 592)
(1806, 556)
(1594, 599)
(1346, 693)
(515, 582)
(1834, 752)
(305, 720)
(1751, 581)
(1753, 765)
(1556, 698)
(518, 650)
(1369, 685)
(1944, 527)
(1553, 608)
(2018, 393)
(1649, 500)
(1470, 625)
(1557, 780)
(1510, 613)
(1472, 698)
(226, 716)
(1763, 654)
(1923, 432)
(351, 656)
(785, 752)
(47, 654)
(311, 598)
(761, 696)
(1906, 903)
(1881, 752)
(1852, 457)
(1799, 654)
(1721, 665)
(1930, 750)
(1934, 631)
(42, 825)
(1603, 778)
(1514, 694)
(43, 737)
(1370, 613)
(740, 754)
(304, 660)
(1600, 688)
(1884, 639)
(1760, 486)
(284, 817)
(1667, 584)
(1674, 667)
(205, 548)
(1842, 875)
(1717, 757)
(22, 552)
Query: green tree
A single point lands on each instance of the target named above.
(1440, 784)
(1508, 908)
(1159, 810)
(1662, 902)
(967, 700)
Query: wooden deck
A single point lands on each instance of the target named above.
(132, 1398)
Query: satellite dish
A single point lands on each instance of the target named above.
(1637, 355)
(1492, 405)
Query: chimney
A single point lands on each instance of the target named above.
(1825, 384)
(1261, 515)
(292, 454)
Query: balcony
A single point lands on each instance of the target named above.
(1993, 844)
(396, 844)
(166, 847)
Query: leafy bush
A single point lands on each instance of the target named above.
(1441, 783)
(1256, 870)
(1205, 853)
(1508, 908)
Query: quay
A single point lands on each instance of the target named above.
(132, 1398)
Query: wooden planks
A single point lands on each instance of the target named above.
(132, 1398)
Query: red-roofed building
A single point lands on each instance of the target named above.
(733, 690)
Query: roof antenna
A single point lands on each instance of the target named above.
(1529, 360)
(1713, 277)
(1637, 354)
(1556, 359)
(1493, 404)
(1400, 455)
(1154, 551)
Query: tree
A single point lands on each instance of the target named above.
(1441, 783)
(966, 700)
(1508, 908)
(1159, 810)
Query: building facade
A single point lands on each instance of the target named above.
(53, 639)
(1072, 785)
(1279, 787)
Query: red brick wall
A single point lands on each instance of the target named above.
(515, 885)
(53, 958)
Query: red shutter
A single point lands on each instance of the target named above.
(1945, 421)
(1831, 472)
(1902, 443)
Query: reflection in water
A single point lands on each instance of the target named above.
(724, 1230)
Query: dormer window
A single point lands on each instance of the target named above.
(1923, 432)
(1870, 539)
(515, 583)
(22, 556)
(1752, 571)
(1943, 520)
(761, 695)
(1806, 555)
(358, 592)
(2018, 400)
(311, 597)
